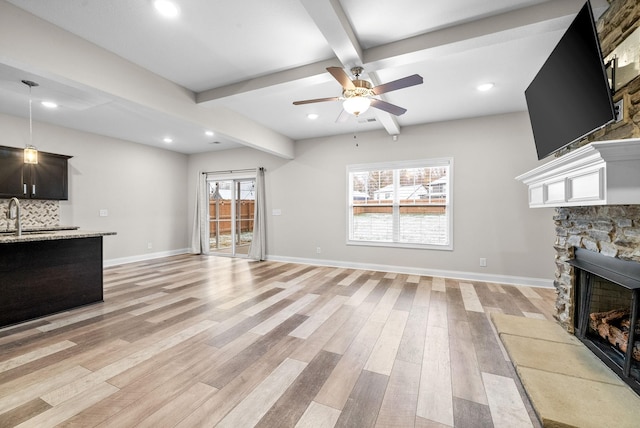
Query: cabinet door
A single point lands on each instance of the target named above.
(11, 173)
(49, 177)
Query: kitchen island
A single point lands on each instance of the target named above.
(47, 271)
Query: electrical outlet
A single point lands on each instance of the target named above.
(149, 245)
(318, 250)
(104, 213)
(619, 110)
(483, 262)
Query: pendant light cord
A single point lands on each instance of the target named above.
(30, 84)
(30, 119)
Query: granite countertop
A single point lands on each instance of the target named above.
(49, 234)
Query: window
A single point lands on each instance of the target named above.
(401, 204)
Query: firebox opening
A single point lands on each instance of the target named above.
(606, 297)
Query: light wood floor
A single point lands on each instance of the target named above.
(193, 341)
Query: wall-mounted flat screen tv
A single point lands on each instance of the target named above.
(570, 97)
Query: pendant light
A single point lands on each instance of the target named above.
(30, 152)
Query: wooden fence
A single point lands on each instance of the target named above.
(435, 206)
(244, 212)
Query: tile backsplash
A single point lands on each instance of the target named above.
(35, 213)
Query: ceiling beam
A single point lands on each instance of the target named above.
(334, 25)
(533, 20)
(336, 29)
(309, 74)
(542, 18)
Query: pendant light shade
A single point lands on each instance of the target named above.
(30, 152)
(356, 105)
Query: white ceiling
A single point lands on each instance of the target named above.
(256, 57)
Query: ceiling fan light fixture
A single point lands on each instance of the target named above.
(356, 105)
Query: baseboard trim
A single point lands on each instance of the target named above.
(468, 276)
(143, 257)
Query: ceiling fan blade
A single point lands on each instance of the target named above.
(414, 79)
(317, 100)
(342, 77)
(388, 107)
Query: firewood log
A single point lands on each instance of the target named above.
(613, 326)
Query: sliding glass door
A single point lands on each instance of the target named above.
(231, 212)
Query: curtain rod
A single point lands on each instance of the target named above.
(231, 171)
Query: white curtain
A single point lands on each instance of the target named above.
(258, 243)
(200, 235)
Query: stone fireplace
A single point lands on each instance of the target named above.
(594, 186)
(597, 297)
(604, 220)
(595, 191)
(613, 231)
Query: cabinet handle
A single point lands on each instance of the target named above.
(33, 189)
(24, 189)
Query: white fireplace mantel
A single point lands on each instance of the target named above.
(600, 173)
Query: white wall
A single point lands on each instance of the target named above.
(149, 194)
(143, 188)
(491, 215)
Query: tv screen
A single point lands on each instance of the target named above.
(570, 96)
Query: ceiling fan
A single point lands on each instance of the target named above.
(358, 94)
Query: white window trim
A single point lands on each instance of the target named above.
(395, 165)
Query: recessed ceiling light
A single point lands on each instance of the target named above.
(166, 8)
(49, 104)
(485, 86)
(209, 133)
(168, 140)
(312, 116)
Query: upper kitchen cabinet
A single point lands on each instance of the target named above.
(48, 179)
(11, 165)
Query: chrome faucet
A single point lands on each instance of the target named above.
(16, 216)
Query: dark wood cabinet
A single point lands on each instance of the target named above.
(48, 179)
(11, 179)
(40, 278)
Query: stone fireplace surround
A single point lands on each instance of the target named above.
(596, 193)
(612, 231)
(596, 196)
